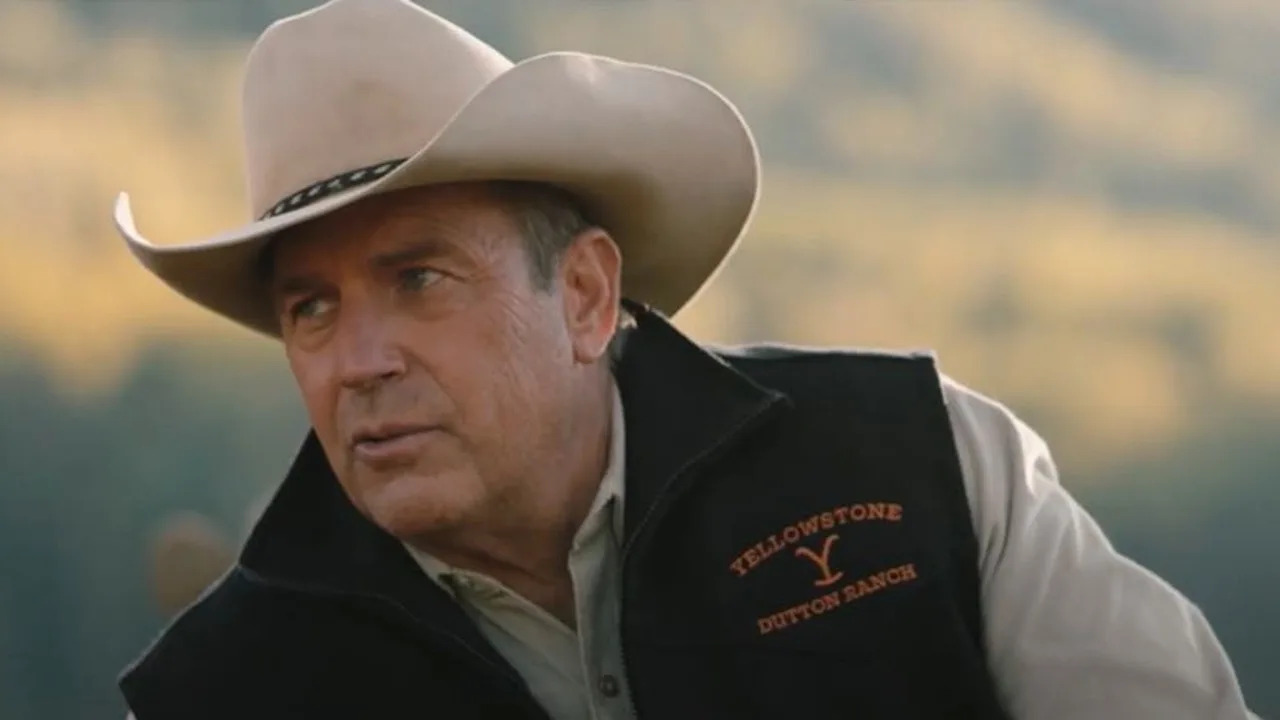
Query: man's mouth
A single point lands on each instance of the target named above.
(388, 443)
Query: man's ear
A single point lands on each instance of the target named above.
(591, 273)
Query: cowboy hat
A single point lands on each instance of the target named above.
(357, 97)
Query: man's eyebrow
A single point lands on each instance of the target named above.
(420, 249)
(410, 252)
(296, 285)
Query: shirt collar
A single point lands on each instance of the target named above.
(607, 506)
(613, 483)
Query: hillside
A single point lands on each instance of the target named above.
(1002, 182)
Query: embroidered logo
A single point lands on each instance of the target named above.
(795, 533)
(792, 534)
(822, 561)
(822, 604)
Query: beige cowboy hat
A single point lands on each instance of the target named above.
(357, 97)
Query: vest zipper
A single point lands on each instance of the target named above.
(675, 487)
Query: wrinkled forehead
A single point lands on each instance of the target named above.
(442, 214)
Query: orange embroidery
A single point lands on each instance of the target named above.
(792, 534)
(823, 561)
(822, 604)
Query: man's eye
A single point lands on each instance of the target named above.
(309, 308)
(415, 279)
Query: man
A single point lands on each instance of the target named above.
(526, 495)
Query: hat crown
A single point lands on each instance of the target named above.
(352, 84)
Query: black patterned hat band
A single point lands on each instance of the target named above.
(329, 186)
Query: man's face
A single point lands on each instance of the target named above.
(436, 373)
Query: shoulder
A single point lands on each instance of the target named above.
(859, 374)
(763, 355)
(227, 604)
(241, 640)
(979, 421)
(204, 643)
(208, 616)
(996, 446)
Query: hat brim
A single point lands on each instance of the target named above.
(663, 160)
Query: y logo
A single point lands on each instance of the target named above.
(822, 561)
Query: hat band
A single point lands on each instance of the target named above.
(329, 186)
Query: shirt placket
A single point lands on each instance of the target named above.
(593, 565)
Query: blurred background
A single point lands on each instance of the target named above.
(1075, 203)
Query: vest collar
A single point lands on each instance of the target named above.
(681, 405)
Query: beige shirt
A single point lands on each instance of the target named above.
(1075, 631)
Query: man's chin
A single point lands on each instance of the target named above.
(413, 506)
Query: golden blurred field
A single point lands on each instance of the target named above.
(1123, 327)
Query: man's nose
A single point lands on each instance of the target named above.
(367, 352)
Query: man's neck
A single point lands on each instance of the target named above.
(527, 549)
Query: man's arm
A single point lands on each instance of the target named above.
(1074, 629)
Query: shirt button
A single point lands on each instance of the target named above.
(608, 686)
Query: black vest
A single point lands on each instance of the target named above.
(798, 545)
